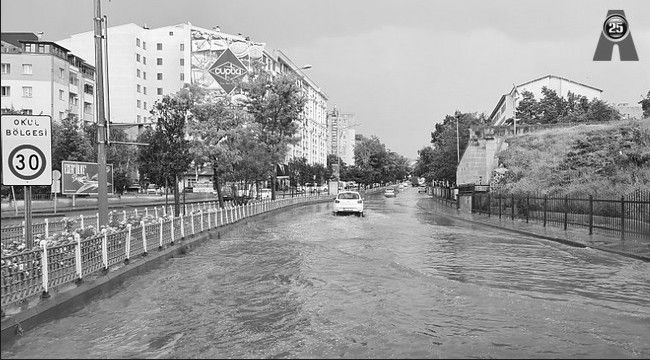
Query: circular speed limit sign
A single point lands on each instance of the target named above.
(27, 162)
(26, 149)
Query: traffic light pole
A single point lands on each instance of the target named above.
(102, 186)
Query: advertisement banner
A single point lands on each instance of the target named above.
(80, 177)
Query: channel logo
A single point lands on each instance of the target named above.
(615, 31)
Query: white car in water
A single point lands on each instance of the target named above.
(348, 201)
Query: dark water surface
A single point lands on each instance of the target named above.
(398, 283)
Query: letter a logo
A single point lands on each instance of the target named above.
(616, 31)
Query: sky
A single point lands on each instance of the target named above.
(399, 66)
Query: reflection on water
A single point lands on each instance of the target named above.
(397, 283)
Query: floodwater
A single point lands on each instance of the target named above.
(397, 283)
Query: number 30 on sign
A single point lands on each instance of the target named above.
(26, 150)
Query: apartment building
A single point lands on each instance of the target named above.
(44, 78)
(145, 64)
(342, 135)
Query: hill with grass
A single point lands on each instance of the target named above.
(604, 160)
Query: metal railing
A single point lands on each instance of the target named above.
(628, 216)
(40, 270)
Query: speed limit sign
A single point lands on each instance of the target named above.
(26, 150)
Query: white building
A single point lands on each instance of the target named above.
(342, 135)
(146, 64)
(43, 78)
(506, 108)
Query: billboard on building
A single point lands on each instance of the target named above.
(79, 177)
(219, 60)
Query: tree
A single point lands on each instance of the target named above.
(123, 157)
(275, 104)
(600, 111)
(527, 110)
(645, 105)
(70, 143)
(217, 129)
(168, 155)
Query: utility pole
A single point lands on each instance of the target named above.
(102, 190)
(457, 143)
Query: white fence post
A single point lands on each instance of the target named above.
(155, 209)
(192, 220)
(144, 237)
(77, 257)
(182, 226)
(124, 215)
(201, 211)
(173, 233)
(81, 220)
(127, 246)
(136, 212)
(146, 211)
(209, 220)
(45, 270)
(160, 243)
(105, 249)
(97, 221)
(47, 228)
(192, 207)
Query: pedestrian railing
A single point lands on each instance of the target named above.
(40, 270)
(625, 217)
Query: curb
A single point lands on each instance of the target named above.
(66, 302)
(555, 239)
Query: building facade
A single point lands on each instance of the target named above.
(146, 64)
(506, 107)
(342, 135)
(44, 78)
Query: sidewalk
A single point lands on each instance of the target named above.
(634, 247)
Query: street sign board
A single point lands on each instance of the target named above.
(56, 186)
(56, 175)
(26, 149)
(80, 177)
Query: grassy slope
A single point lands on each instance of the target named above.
(607, 160)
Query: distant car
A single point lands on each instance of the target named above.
(422, 189)
(348, 201)
(389, 193)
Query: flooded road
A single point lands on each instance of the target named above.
(397, 283)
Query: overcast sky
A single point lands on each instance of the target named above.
(400, 66)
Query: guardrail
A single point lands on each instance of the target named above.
(39, 271)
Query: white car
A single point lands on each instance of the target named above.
(348, 201)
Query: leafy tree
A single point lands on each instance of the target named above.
(600, 111)
(527, 110)
(425, 164)
(645, 105)
(275, 104)
(168, 155)
(122, 157)
(70, 143)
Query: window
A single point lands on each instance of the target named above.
(30, 48)
(138, 88)
(144, 60)
(6, 68)
(144, 45)
(171, 33)
(61, 114)
(159, 61)
(182, 77)
(144, 75)
(144, 90)
(144, 106)
(137, 42)
(160, 91)
(159, 76)
(137, 72)
(27, 69)
(27, 91)
(5, 91)
(137, 57)
(61, 95)
(138, 118)
(88, 89)
(61, 73)
(74, 80)
(159, 46)
(139, 104)
(182, 47)
(26, 111)
(88, 108)
(182, 61)
(41, 48)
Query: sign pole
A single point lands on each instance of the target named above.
(55, 203)
(13, 192)
(102, 190)
(29, 241)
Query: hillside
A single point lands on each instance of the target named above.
(604, 160)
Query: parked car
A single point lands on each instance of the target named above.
(389, 193)
(422, 189)
(348, 202)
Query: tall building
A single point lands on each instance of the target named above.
(506, 108)
(44, 78)
(146, 64)
(342, 135)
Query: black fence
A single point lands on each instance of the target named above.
(628, 216)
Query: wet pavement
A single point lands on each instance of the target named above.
(401, 282)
